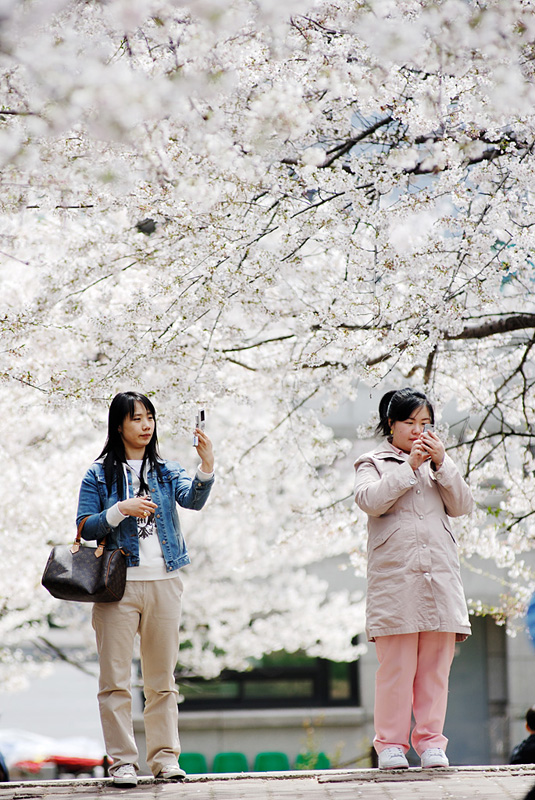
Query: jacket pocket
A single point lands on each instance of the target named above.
(450, 532)
(387, 551)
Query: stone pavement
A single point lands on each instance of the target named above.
(454, 783)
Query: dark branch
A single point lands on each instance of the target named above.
(62, 655)
(505, 325)
(258, 344)
(7, 113)
(429, 366)
(344, 148)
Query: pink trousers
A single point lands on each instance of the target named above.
(412, 677)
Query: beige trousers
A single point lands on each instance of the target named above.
(152, 609)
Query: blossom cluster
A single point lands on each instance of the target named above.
(261, 209)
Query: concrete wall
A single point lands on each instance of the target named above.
(341, 733)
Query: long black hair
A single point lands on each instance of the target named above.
(113, 452)
(398, 405)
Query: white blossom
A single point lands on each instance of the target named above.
(263, 208)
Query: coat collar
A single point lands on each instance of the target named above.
(387, 450)
(383, 452)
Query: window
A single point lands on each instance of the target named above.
(278, 680)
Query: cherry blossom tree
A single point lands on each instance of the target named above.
(261, 207)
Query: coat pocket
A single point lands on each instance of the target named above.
(450, 532)
(387, 552)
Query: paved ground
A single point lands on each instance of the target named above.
(455, 783)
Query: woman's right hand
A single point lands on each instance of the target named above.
(137, 507)
(418, 455)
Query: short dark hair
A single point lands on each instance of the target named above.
(398, 405)
(530, 718)
(113, 452)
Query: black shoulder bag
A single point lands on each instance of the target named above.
(85, 574)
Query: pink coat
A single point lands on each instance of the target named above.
(414, 579)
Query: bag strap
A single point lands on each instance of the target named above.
(78, 541)
(80, 529)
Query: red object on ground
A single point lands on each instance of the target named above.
(28, 766)
(74, 762)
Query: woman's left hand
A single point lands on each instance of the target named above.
(432, 445)
(205, 451)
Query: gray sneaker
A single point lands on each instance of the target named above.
(125, 775)
(434, 757)
(171, 772)
(393, 758)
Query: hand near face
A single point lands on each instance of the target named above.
(432, 445)
(418, 454)
(428, 446)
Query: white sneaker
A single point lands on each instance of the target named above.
(125, 775)
(434, 757)
(171, 772)
(392, 758)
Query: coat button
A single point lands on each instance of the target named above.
(424, 546)
(421, 516)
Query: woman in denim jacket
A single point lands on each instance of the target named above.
(129, 495)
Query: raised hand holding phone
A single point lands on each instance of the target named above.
(202, 442)
(200, 421)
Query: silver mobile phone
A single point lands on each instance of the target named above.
(429, 427)
(200, 421)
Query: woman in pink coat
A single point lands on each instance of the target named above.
(415, 604)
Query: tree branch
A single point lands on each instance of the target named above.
(504, 325)
(59, 653)
(429, 366)
(344, 148)
(281, 422)
(8, 113)
(258, 344)
(240, 364)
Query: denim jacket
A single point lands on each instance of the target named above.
(174, 486)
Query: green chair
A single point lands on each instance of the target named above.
(193, 763)
(271, 762)
(230, 762)
(312, 761)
